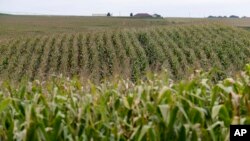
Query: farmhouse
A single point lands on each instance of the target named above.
(143, 15)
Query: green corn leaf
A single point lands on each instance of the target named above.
(125, 102)
(164, 112)
(144, 130)
(215, 111)
(4, 104)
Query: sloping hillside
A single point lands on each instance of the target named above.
(128, 53)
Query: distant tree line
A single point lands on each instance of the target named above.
(139, 15)
(232, 16)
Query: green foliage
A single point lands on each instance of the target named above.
(153, 109)
(127, 53)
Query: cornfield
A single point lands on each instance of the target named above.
(128, 53)
(54, 101)
(154, 109)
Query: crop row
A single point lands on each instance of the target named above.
(127, 53)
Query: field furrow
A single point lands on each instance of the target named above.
(141, 60)
(82, 55)
(44, 57)
(109, 55)
(27, 59)
(122, 58)
(93, 60)
(37, 59)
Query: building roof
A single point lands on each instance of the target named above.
(142, 15)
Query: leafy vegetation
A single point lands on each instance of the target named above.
(129, 53)
(85, 78)
(153, 109)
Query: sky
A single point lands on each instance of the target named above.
(167, 8)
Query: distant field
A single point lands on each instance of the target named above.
(16, 26)
(127, 52)
(242, 22)
(19, 26)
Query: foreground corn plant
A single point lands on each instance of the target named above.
(154, 109)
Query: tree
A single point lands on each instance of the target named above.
(131, 14)
(234, 16)
(108, 14)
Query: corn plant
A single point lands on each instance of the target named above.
(127, 53)
(153, 109)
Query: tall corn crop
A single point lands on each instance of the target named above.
(154, 109)
(128, 53)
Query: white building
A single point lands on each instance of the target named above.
(99, 15)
